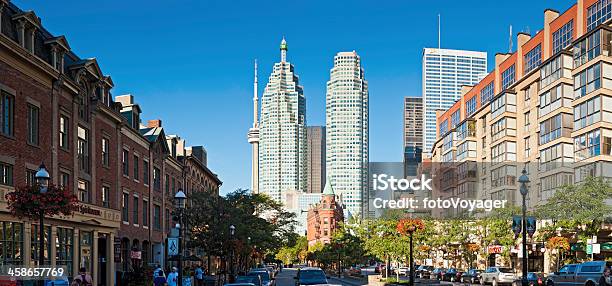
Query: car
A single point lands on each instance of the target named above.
(401, 270)
(310, 276)
(452, 275)
(256, 280)
(266, 279)
(498, 275)
(239, 284)
(584, 274)
(471, 276)
(437, 273)
(423, 271)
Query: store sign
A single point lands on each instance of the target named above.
(117, 252)
(85, 209)
(136, 254)
(173, 246)
(495, 249)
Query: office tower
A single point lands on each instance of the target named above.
(347, 132)
(282, 127)
(253, 139)
(444, 73)
(316, 158)
(413, 134)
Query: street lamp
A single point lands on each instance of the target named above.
(180, 199)
(411, 229)
(42, 180)
(232, 230)
(524, 180)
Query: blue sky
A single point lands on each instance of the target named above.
(190, 63)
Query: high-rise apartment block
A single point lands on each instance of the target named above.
(444, 73)
(413, 134)
(545, 108)
(347, 132)
(316, 158)
(282, 132)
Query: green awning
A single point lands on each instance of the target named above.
(577, 247)
(606, 246)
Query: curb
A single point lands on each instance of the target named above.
(354, 283)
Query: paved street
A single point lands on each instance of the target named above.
(285, 278)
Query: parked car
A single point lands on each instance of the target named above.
(256, 280)
(584, 274)
(437, 273)
(401, 270)
(266, 279)
(452, 275)
(498, 275)
(423, 271)
(471, 276)
(310, 276)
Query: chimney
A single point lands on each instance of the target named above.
(154, 123)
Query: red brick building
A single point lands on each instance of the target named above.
(324, 217)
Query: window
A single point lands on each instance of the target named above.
(125, 208)
(526, 116)
(470, 106)
(533, 59)
(551, 71)
(587, 81)
(7, 113)
(508, 77)
(444, 127)
(65, 179)
(125, 162)
(506, 126)
(156, 179)
(505, 151)
(157, 217)
(11, 240)
(587, 113)
(527, 147)
(83, 149)
(105, 152)
(106, 196)
(35, 241)
(63, 132)
(487, 93)
(6, 174)
(506, 102)
(136, 165)
(554, 127)
(587, 145)
(135, 211)
(63, 248)
(84, 194)
(30, 177)
(587, 49)
(598, 13)
(167, 184)
(145, 173)
(33, 123)
(168, 217)
(455, 118)
(83, 107)
(563, 36)
(145, 213)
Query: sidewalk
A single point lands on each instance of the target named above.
(350, 280)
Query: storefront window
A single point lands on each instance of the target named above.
(63, 248)
(85, 259)
(11, 243)
(36, 244)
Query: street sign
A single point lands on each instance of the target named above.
(517, 224)
(531, 225)
(589, 249)
(173, 246)
(596, 248)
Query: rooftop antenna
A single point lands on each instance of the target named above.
(510, 40)
(439, 31)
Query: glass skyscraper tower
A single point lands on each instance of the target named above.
(444, 73)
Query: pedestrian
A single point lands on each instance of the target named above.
(199, 276)
(172, 279)
(160, 279)
(157, 270)
(83, 279)
(606, 278)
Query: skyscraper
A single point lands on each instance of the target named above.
(253, 139)
(444, 73)
(316, 158)
(413, 134)
(347, 132)
(282, 127)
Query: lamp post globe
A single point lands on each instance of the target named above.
(42, 178)
(180, 199)
(524, 180)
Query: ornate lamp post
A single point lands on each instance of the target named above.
(524, 180)
(180, 200)
(232, 231)
(410, 226)
(42, 179)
